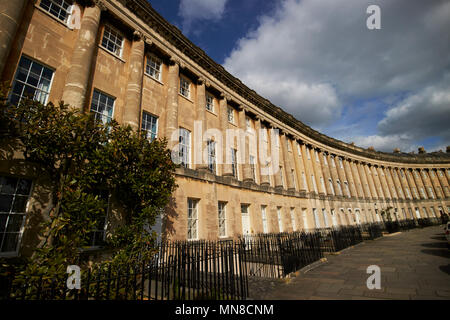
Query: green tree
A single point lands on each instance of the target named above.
(83, 157)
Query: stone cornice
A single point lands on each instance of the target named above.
(173, 35)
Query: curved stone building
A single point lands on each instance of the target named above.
(120, 59)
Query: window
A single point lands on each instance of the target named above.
(317, 155)
(340, 163)
(185, 87)
(294, 224)
(112, 41)
(192, 227)
(233, 163)
(102, 106)
(332, 162)
(322, 183)
(247, 123)
(433, 174)
(424, 174)
(32, 80)
(246, 227)
(153, 67)
(97, 237)
(149, 125)
(402, 174)
(339, 187)
(58, 8)
(307, 154)
(430, 191)
(331, 186)
(441, 174)
(211, 145)
(325, 217)
(433, 213)
(416, 174)
(325, 161)
(299, 150)
(314, 183)
(347, 189)
(425, 212)
(280, 222)
(422, 192)
(404, 213)
(400, 192)
(209, 102)
(293, 179)
(415, 193)
(408, 193)
(304, 181)
(281, 175)
(222, 220)
(184, 151)
(14, 196)
(253, 167)
(230, 113)
(264, 219)
(316, 218)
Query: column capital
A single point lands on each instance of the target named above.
(225, 96)
(138, 36)
(101, 4)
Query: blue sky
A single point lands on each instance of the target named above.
(317, 60)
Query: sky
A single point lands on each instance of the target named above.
(387, 88)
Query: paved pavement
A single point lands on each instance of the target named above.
(414, 265)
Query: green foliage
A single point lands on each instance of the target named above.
(82, 157)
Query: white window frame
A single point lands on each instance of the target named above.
(102, 116)
(299, 150)
(294, 223)
(12, 213)
(185, 87)
(222, 216)
(60, 8)
(234, 167)
(148, 125)
(209, 102)
(153, 67)
(325, 217)
(184, 144)
(253, 167)
(316, 219)
(211, 148)
(331, 186)
(192, 219)
(39, 91)
(314, 183)
(230, 114)
(325, 161)
(280, 220)
(113, 32)
(304, 181)
(264, 219)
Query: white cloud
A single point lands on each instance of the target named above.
(312, 58)
(192, 10)
(422, 115)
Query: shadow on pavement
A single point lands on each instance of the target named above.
(442, 238)
(445, 253)
(445, 269)
(435, 245)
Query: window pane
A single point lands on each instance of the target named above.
(20, 203)
(24, 187)
(6, 202)
(10, 242)
(14, 222)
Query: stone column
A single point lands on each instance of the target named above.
(264, 179)
(11, 13)
(351, 181)
(299, 166)
(397, 185)
(418, 180)
(287, 163)
(427, 184)
(436, 184)
(326, 173)
(244, 149)
(317, 170)
(172, 103)
(384, 184)
(226, 152)
(308, 167)
(443, 181)
(75, 89)
(390, 182)
(363, 179)
(412, 184)
(374, 191)
(200, 144)
(342, 176)
(334, 175)
(357, 179)
(131, 113)
(378, 184)
(277, 148)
